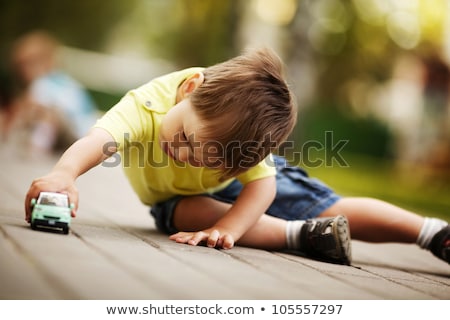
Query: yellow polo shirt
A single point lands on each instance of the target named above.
(134, 124)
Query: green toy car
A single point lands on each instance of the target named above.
(51, 210)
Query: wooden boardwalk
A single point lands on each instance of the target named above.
(114, 252)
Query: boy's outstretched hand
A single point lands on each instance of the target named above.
(53, 182)
(212, 237)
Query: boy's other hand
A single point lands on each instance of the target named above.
(53, 182)
(214, 238)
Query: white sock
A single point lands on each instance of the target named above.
(430, 227)
(293, 234)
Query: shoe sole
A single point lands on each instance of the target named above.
(341, 232)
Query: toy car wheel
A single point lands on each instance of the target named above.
(66, 230)
(33, 225)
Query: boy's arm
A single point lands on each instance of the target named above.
(252, 202)
(83, 155)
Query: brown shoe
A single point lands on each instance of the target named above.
(440, 244)
(327, 239)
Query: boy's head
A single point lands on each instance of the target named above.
(232, 115)
(247, 108)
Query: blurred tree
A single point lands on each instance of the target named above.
(360, 39)
(352, 47)
(82, 24)
(205, 32)
(194, 32)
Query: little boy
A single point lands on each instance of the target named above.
(196, 146)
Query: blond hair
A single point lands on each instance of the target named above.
(251, 97)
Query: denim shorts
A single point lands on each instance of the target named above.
(298, 197)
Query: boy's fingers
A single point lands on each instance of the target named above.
(198, 236)
(73, 201)
(228, 241)
(188, 237)
(32, 193)
(27, 208)
(212, 239)
(174, 236)
(180, 237)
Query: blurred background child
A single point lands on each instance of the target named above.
(56, 109)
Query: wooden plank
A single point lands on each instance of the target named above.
(370, 283)
(114, 252)
(244, 278)
(105, 197)
(408, 257)
(19, 277)
(11, 204)
(411, 281)
(315, 284)
(75, 268)
(165, 274)
(333, 281)
(406, 264)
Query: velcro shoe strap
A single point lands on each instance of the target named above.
(323, 242)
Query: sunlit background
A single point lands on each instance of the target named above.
(375, 73)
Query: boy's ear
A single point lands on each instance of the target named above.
(191, 83)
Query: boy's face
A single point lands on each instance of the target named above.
(180, 136)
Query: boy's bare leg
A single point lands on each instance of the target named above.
(198, 213)
(377, 221)
(369, 219)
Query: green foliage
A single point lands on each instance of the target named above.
(192, 33)
(364, 135)
(82, 24)
(104, 100)
(410, 188)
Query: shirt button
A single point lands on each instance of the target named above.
(148, 103)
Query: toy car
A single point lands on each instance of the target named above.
(51, 210)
